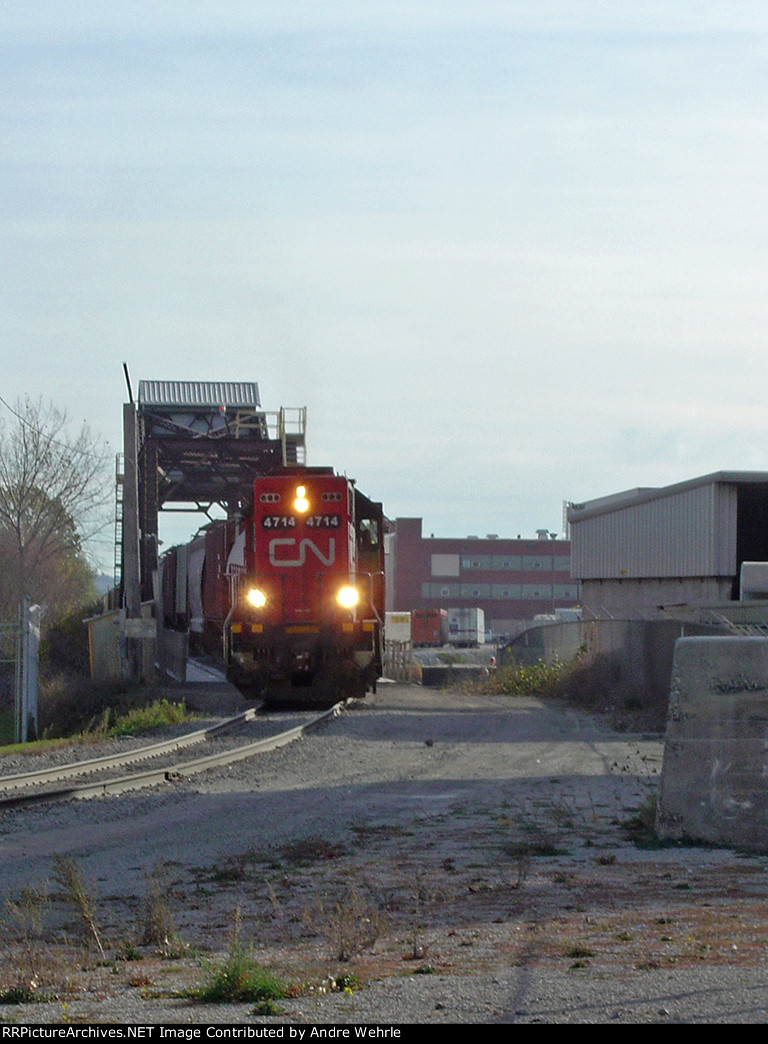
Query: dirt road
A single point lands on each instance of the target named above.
(466, 858)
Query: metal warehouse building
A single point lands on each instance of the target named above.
(640, 553)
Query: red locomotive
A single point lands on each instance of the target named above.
(292, 594)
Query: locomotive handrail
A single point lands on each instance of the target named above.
(373, 603)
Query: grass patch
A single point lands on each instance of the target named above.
(153, 715)
(641, 827)
(106, 714)
(239, 978)
(535, 848)
(308, 850)
(20, 995)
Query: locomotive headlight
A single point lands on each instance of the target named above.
(256, 598)
(301, 503)
(348, 597)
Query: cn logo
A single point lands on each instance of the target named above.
(276, 559)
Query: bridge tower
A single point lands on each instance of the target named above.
(190, 445)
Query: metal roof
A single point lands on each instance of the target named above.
(199, 394)
(635, 497)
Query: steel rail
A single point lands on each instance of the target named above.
(108, 761)
(173, 773)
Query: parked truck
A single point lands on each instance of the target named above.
(466, 627)
(429, 627)
(397, 627)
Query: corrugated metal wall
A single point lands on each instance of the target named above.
(691, 532)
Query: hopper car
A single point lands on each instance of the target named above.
(291, 593)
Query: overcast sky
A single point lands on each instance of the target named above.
(506, 254)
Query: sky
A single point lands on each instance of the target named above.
(507, 254)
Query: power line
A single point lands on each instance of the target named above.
(53, 442)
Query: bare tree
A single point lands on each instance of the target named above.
(54, 492)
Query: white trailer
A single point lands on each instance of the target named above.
(466, 627)
(397, 627)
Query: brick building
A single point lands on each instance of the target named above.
(510, 580)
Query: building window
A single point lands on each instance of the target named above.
(476, 562)
(445, 565)
(539, 562)
(536, 591)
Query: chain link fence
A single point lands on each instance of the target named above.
(19, 647)
(399, 664)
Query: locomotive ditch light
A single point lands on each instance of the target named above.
(301, 503)
(256, 598)
(347, 597)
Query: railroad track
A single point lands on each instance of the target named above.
(48, 784)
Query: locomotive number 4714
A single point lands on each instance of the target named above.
(278, 522)
(290, 522)
(323, 521)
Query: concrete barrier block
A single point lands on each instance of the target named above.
(714, 782)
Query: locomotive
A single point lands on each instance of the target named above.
(290, 594)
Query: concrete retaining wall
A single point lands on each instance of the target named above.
(714, 784)
(636, 655)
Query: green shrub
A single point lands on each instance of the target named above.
(240, 978)
(74, 705)
(640, 827)
(150, 716)
(536, 679)
(19, 995)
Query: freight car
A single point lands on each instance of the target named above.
(291, 594)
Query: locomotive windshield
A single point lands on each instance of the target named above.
(368, 534)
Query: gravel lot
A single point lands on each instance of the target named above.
(461, 858)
